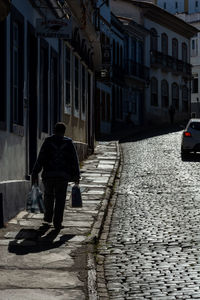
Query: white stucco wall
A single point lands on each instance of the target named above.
(119, 8)
(159, 74)
(171, 5)
(193, 5)
(12, 146)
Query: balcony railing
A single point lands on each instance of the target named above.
(170, 64)
(137, 70)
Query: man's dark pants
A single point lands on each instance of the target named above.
(55, 190)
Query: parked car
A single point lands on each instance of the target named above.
(191, 137)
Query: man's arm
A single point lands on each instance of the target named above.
(39, 163)
(75, 164)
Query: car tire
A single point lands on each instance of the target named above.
(184, 153)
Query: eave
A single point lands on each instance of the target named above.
(164, 18)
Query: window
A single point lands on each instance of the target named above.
(121, 104)
(196, 4)
(176, 5)
(121, 56)
(164, 6)
(15, 73)
(185, 99)
(195, 83)
(175, 96)
(76, 83)
(175, 48)
(83, 90)
(154, 92)
(3, 75)
(194, 47)
(44, 64)
(114, 59)
(17, 69)
(103, 105)
(165, 93)
(133, 49)
(193, 44)
(141, 53)
(67, 87)
(164, 43)
(154, 40)
(118, 54)
(108, 106)
(195, 125)
(184, 52)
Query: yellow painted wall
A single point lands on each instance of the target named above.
(76, 128)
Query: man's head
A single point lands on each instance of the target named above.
(59, 129)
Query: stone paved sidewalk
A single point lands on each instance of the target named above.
(40, 263)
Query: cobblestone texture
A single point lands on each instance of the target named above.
(38, 262)
(153, 248)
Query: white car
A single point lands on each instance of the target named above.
(191, 137)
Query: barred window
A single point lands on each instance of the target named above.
(67, 76)
(164, 43)
(165, 93)
(175, 95)
(76, 83)
(154, 91)
(185, 99)
(175, 48)
(154, 39)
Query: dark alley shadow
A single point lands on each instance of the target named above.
(140, 133)
(35, 241)
(192, 157)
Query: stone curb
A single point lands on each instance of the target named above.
(102, 291)
(97, 229)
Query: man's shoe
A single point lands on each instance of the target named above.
(46, 224)
(58, 227)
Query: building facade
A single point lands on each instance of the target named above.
(167, 54)
(136, 72)
(47, 67)
(189, 11)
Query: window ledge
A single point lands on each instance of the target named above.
(18, 130)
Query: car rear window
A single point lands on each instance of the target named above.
(195, 125)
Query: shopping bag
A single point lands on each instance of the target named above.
(76, 200)
(35, 202)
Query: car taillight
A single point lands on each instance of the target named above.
(187, 133)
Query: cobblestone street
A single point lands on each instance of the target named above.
(153, 248)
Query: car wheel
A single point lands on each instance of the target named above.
(184, 153)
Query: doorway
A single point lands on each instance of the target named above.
(54, 90)
(32, 95)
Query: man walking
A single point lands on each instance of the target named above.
(59, 162)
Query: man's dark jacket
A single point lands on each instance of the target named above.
(58, 159)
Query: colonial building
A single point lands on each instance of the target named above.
(103, 86)
(136, 73)
(47, 67)
(117, 72)
(167, 54)
(81, 55)
(189, 11)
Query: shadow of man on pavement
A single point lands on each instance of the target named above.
(35, 241)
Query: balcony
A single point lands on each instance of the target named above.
(170, 64)
(136, 70)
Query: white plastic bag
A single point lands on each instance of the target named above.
(35, 202)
